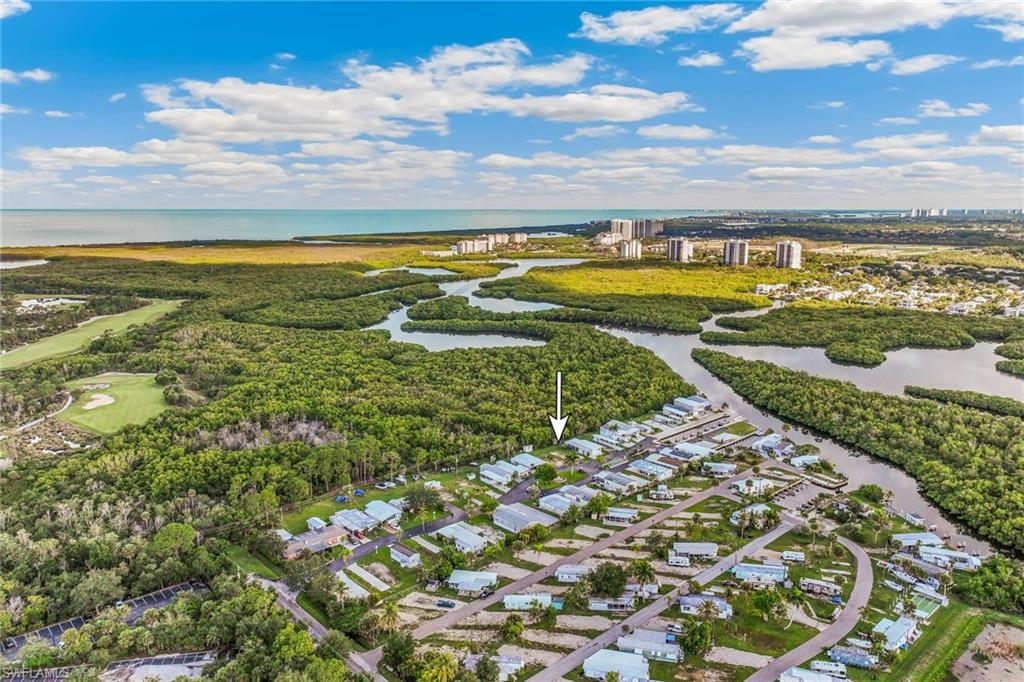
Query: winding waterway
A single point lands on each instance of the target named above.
(972, 369)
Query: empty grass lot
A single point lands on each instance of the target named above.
(136, 398)
(75, 339)
(251, 563)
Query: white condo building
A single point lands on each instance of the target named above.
(646, 228)
(632, 249)
(789, 255)
(680, 250)
(735, 252)
(623, 227)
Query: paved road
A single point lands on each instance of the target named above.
(458, 615)
(841, 627)
(51, 634)
(567, 663)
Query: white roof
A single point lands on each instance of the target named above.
(557, 501)
(622, 511)
(910, 539)
(650, 640)
(464, 534)
(695, 547)
(583, 444)
(804, 675)
(527, 460)
(628, 666)
(353, 519)
(472, 578)
(524, 514)
(382, 511)
(573, 569)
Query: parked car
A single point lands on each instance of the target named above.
(390, 484)
(381, 486)
(674, 628)
(400, 478)
(341, 498)
(9, 643)
(360, 492)
(445, 603)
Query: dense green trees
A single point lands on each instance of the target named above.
(20, 326)
(967, 461)
(861, 334)
(981, 401)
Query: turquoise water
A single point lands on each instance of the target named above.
(48, 228)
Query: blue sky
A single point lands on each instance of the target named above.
(857, 104)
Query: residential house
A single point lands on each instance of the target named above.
(754, 485)
(525, 459)
(754, 512)
(917, 539)
(853, 657)
(467, 538)
(516, 471)
(666, 460)
(662, 492)
(719, 469)
(383, 512)
(496, 476)
(620, 516)
(948, 558)
(517, 516)
(315, 523)
(580, 494)
(572, 573)
(471, 582)
(354, 520)
(556, 503)
(898, 634)
(405, 557)
(584, 447)
(690, 604)
(693, 406)
(707, 551)
(650, 644)
(804, 675)
(773, 445)
(618, 604)
(804, 461)
(651, 470)
(820, 587)
(314, 541)
(507, 665)
(525, 602)
(794, 556)
(628, 667)
(618, 484)
(692, 451)
(284, 535)
(754, 574)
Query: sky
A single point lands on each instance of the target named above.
(851, 104)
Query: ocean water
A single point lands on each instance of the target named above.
(22, 227)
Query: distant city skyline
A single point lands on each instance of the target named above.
(773, 105)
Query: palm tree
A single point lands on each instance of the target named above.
(815, 526)
(388, 618)
(572, 457)
(794, 597)
(945, 580)
(642, 570)
(708, 612)
(831, 541)
(441, 667)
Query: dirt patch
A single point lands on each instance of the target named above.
(622, 553)
(381, 571)
(507, 571)
(994, 641)
(583, 623)
(532, 655)
(98, 400)
(486, 618)
(723, 654)
(419, 600)
(798, 615)
(412, 617)
(562, 640)
(569, 543)
(539, 558)
(467, 635)
(591, 531)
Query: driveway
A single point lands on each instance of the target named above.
(831, 635)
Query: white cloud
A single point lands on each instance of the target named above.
(897, 121)
(665, 156)
(284, 57)
(922, 63)
(653, 25)
(594, 131)
(910, 140)
(1008, 134)
(819, 33)
(14, 77)
(665, 131)
(702, 59)
(101, 180)
(152, 152)
(116, 97)
(1010, 32)
(823, 139)
(937, 108)
(996, 63)
(753, 155)
(10, 8)
(398, 100)
(53, 113)
(8, 109)
(829, 104)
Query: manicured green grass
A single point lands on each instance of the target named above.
(748, 631)
(137, 398)
(75, 339)
(251, 563)
(741, 429)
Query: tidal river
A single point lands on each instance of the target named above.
(972, 369)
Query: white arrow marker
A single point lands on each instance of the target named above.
(558, 421)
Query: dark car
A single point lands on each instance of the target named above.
(360, 492)
(341, 498)
(445, 603)
(8, 643)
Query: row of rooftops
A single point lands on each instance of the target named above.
(343, 523)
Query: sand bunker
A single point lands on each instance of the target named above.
(98, 400)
